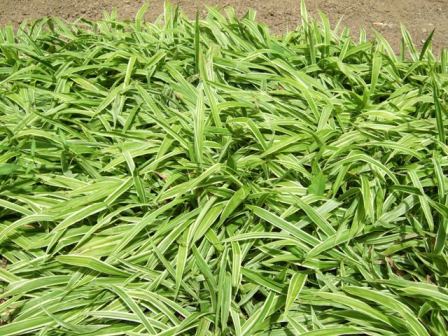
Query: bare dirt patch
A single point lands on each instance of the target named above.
(385, 16)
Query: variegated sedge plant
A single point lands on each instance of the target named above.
(205, 177)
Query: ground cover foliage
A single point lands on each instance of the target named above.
(204, 177)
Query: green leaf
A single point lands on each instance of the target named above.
(7, 168)
(317, 186)
(296, 284)
(91, 263)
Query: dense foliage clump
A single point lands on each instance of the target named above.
(208, 178)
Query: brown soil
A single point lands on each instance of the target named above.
(385, 16)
